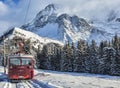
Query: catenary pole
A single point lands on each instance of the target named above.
(4, 56)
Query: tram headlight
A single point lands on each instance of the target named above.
(11, 67)
(30, 66)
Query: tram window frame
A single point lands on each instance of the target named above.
(15, 64)
(26, 59)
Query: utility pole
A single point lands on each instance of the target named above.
(4, 56)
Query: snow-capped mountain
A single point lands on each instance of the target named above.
(50, 24)
(64, 27)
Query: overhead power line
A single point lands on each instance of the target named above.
(27, 12)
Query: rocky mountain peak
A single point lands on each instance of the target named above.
(63, 27)
(51, 7)
(73, 22)
(48, 14)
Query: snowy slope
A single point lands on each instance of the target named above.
(54, 79)
(33, 37)
(112, 27)
(63, 27)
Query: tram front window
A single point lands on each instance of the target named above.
(26, 61)
(14, 61)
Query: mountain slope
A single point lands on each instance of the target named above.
(64, 27)
(49, 24)
(37, 40)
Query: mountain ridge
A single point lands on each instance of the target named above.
(63, 27)
(48, 23)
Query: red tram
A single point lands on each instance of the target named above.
(20, 67)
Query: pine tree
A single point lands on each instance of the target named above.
(67, 58)
(79, 62)
(58, 58)
(93, 57)
(116, 46)
(73, 51)
(55, 58)
(64, 61)
(43, 58)
(116, 43)
(101, 49)
(101, 65)
(108, 61)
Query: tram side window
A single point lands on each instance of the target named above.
(26, 61)
(14, 61)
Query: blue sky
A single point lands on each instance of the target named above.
(12, 12)
(15, 1)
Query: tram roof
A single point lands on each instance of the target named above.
(21, 55)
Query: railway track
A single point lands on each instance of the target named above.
(23, 84)
(7, 83)
(26, 84)
(38, 84)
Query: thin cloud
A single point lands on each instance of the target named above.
(3, 9)
(90, 9)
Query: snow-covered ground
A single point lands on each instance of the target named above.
(54, 79)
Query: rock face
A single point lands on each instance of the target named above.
(64, 27)
(45, 16)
